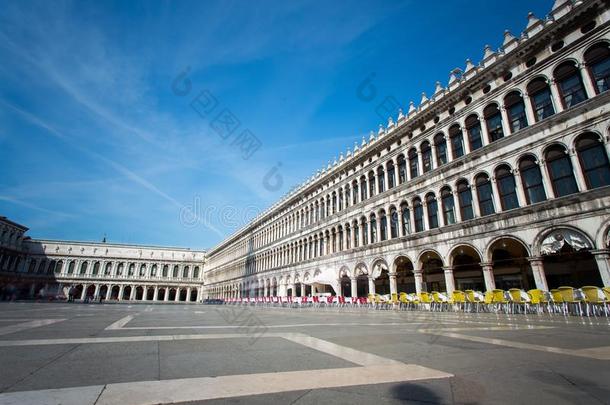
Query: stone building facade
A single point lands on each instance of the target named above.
(112, 271)
(498, 180)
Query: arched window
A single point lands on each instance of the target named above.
(41, 266)
(380, 179)
(196, 272)
(560, 170)
(493, 120)
(32, 266)
(59, 266)
(142, 270)
(340, 199)
(185, 272)
(355, 191)
(531, 178)
(418, 213)
(83, 267)
(515, 107)
(448, 206)
(383, 225)
(340, 237)
(356, 228)
(541, 98)
(165, 270)
(175, 272)
(485, 194)
(391, 173)
(402, 169)
(371, 183)
(373, 226)
(473, 127)
(570, 84)
(96, 268)
(393, 223)
(132, 269)
(426, 154)
(457, 141)
(465, 198)
(432, 206)
(506, 188)
(334, 206)
(119, 270)
(441, 148)
(153, 270)
(597, 60)
(406, 219)
(413, 164)
(362, 188)
(51, 267)
(593, 160)
(108, 269)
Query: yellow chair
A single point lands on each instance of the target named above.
(458, 299)
(569, 298)
(499, 299)
(473, 302)
(488, 300)
(393, 302)
(594, 299)
(425, 299)
(404, 300)
(372, 300)
(439, 303)
(558, 303)
(538, 300)
(517, 301)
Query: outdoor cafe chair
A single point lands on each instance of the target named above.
(519, 300)
(595, 300)
(572, 297)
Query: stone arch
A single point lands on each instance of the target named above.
(508, 255)
(402, 266)
(567, 257)
(431, 264)
(464, 260)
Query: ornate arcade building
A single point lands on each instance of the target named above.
(499, 180)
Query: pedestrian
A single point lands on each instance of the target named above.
(41, 294)
(71, 294)
(101, 297)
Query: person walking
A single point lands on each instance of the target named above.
(71, 294)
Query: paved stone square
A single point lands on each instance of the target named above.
(148, 354)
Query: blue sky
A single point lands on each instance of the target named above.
(96, 137)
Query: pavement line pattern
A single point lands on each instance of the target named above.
(120, 323)
(5, 330)
(206, 388)
(598, 353)
(294, 325)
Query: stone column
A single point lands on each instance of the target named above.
(602, 257)
(361, 234)
(529, 112)
(177, 297)
(371, 285)
(587, 82)
(156, 293)
(449, 148)
(449, 280)
(419, 280)
(456, 206)
(488, 276)
(433, 151)
(109, 292)
(520, 191)
(466, 139)
(546, 180)
(484, 130)
(557, 103)
(166, 294)
(538, 271)
(496, 195)
(121, 288)
(505, 125)
(420, 163)
(188, 294)
(354, 286)
(132, 294)
(378, 226)
(393, 285)
(425, 218)
(96, 293)
(476, 209)
(578, 175)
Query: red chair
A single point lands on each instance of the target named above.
(304, 301)
(341, 300)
